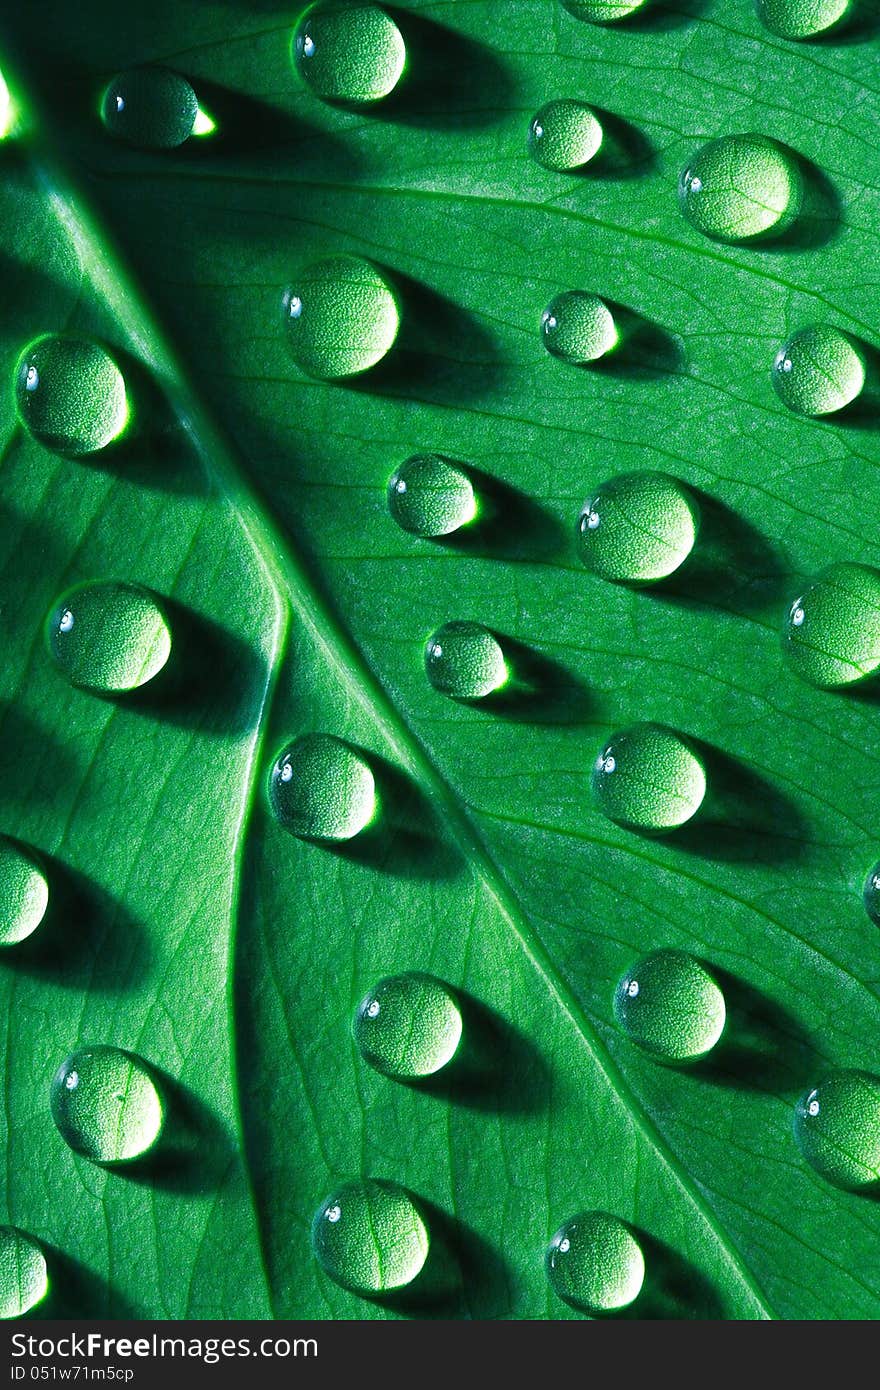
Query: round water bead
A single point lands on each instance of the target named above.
(70, 394)
(342, 317)
(431, 496)
(831, 633)
(408, 1026)
(871, 894)
(649, 778)
(564, 135)
(105, 1104)
(24, 1281)
(603, 11)
(465, 661)
(24, 893)
(837, 1128)
(802, 19)
(370, 1237)
(671, 1006)
(108, 637)
(595, 1263)
(638, 528)
(578, 327)
(151, 108)
(348, 52)
(321, 788)
(819, 370)
(741, 187)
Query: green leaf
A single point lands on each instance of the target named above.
(491, 867)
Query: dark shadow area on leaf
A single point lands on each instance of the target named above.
(75, 1291)
(32, 294)
(732, 565)
(763, 1047)
(644, 351)
(860, 23)
(194, 1152)
(461, 1270)
(674, 1289)
(540, 690)
(819, 221)
(625, 151)
(34, 762)
(511, 525)
(744, 818)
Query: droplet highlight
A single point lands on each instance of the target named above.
(670, 1005)
(70, 394)
(24, 1279)
(603, 11)
(464, 660)
(431, 496)
(649, 778)
(837, 1129)
(595, 1263)
(370, 1237)
(741, 187)
(151, 108)
(831, 631)
(342, 317)
(638, 528)
(348, 52)
(818, 371)
(105, 1105)
(24, 893)
(578, 327)
(408, 1026)
(564, 135)
(108, 637)
(320, 788)
(802, 19)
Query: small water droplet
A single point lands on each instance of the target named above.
(151, 108)
(348, 52)
(818, 371)
(70, 394)
(871, 894)
(677, 1010)
(831, 632)
(638, 528)
(24, 892)
(802, 19)
(408, 1026)
(464, 660)
(342, 317)
(24, 1281)
(603, 11)
(595, 1263)
(564, 135)
(741, 187)
(320, 788)
(431, 496)
(108, 637)
(837, 1129)
(578, 327)
(649, 778)
(106, 1105)
(370, 1237)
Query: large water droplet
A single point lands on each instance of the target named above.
(871, 894)
(595, 1263)
(24, 893)
(321, 788)
(431, 496)
(106, 1105)
(348, 52)
(151, 108)
(108, 637)
(671, 1006)
(408, 1026)
(801, 19)
(342, 317)
(564, 135)
(837, 1128)
(819, 370)
(24, 1280)
(465, 660)
(578, 327)
(638, 528)
(831, 633)
(70, 394)
(603, 11)
(370, 1237)
(740, 187)
(650, 778)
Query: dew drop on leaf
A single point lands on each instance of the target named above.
(831, 632)
(24, 1281)
(802, 19)
(106, 1105)
(564, 135)
(70, 394)
(871, 894)
(837, 1128)
(370, 1237)
(464, 660)
(670, 1005)
(595, 1263)
(320, 788)
(24, 893)
(819, 370)
(649, 778)
(638, 528)
(408, 1026)
(342, 317)
(348, 52)
(151, 108)
(741, 187)
(431, 496)
(578, 327)
(108, 637)
(603, 11)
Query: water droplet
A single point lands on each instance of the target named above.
(603, 11)
(595, 1263)
(348, 53)
(408, 1026)
(837, 1128)
(638, 528)
(819, 370)
(564, 135)
(431, 496)
(151, 108)
(370, 1237)
(740, 187)
(105, 1104)
(342, 317)
(465, 661)
(70, 394)
(578, 327)
(321, 788)
(23, 1277)
(801, 19)
(649, 778)
(108, 637)
(871, 894)
(831, 633)
(24, 893)
(671, 1006)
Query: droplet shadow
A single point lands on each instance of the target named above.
(864, 412)
(674, 1289)
(644, 350)
(732, 565)
(451, 81)
(820, 219)
(75, 1291)
(859, 24)
(540, 691)
(763, 1047)
(510, 525)
(194, 1152)
(625, 151)
(744, 817)
(34, 762)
